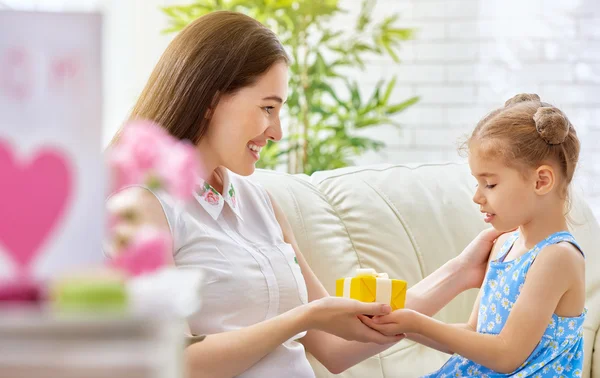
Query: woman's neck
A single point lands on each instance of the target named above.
(209, 172)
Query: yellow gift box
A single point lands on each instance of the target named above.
(369, 286)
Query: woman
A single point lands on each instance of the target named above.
(221, 84)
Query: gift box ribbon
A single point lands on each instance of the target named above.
(383, 287)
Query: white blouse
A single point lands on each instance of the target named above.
(250, 273)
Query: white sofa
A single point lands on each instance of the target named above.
(405, 220)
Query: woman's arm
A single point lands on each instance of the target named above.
(554, 272)
(212, 357)
(466, 271)
(427, 296)
(229, 354)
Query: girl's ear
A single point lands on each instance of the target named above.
(545, 179)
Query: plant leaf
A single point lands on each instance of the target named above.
(401, 106)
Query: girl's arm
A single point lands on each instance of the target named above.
(556, 270)
(471, 326)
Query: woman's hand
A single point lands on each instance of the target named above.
(473, 260)
(340, 317)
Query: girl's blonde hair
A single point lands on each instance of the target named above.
(527, 133)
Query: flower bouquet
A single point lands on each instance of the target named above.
(138, 274)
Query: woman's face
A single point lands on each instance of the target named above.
(242, 122)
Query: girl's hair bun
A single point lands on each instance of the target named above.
(552, 124)
(522, 97)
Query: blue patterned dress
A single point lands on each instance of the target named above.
(559, 353)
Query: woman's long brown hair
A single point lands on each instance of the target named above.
(218, 53)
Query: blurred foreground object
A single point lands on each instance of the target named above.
(51, 179)
(36, 344)
(145, 154)
(65, 309)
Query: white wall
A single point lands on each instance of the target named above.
(132, 46)
(469, 56)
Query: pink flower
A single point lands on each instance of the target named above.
(138, 150)
(112, 221)
(211, 197)
(149, 251)
(146, 154)
(179, 169)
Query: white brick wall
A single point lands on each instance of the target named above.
(469, 56)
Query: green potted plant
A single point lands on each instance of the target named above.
(324, 109)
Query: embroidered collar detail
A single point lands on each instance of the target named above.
(213, 202)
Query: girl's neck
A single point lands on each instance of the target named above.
(544, 224)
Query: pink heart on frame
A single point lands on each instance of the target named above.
(33, 198)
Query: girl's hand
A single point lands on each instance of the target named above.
(340, 317)
(397, 323)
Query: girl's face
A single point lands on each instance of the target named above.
(243, 122)
(507, 197)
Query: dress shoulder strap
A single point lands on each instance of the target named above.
(555, 238)
(507, 246)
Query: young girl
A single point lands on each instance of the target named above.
(527, 320)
